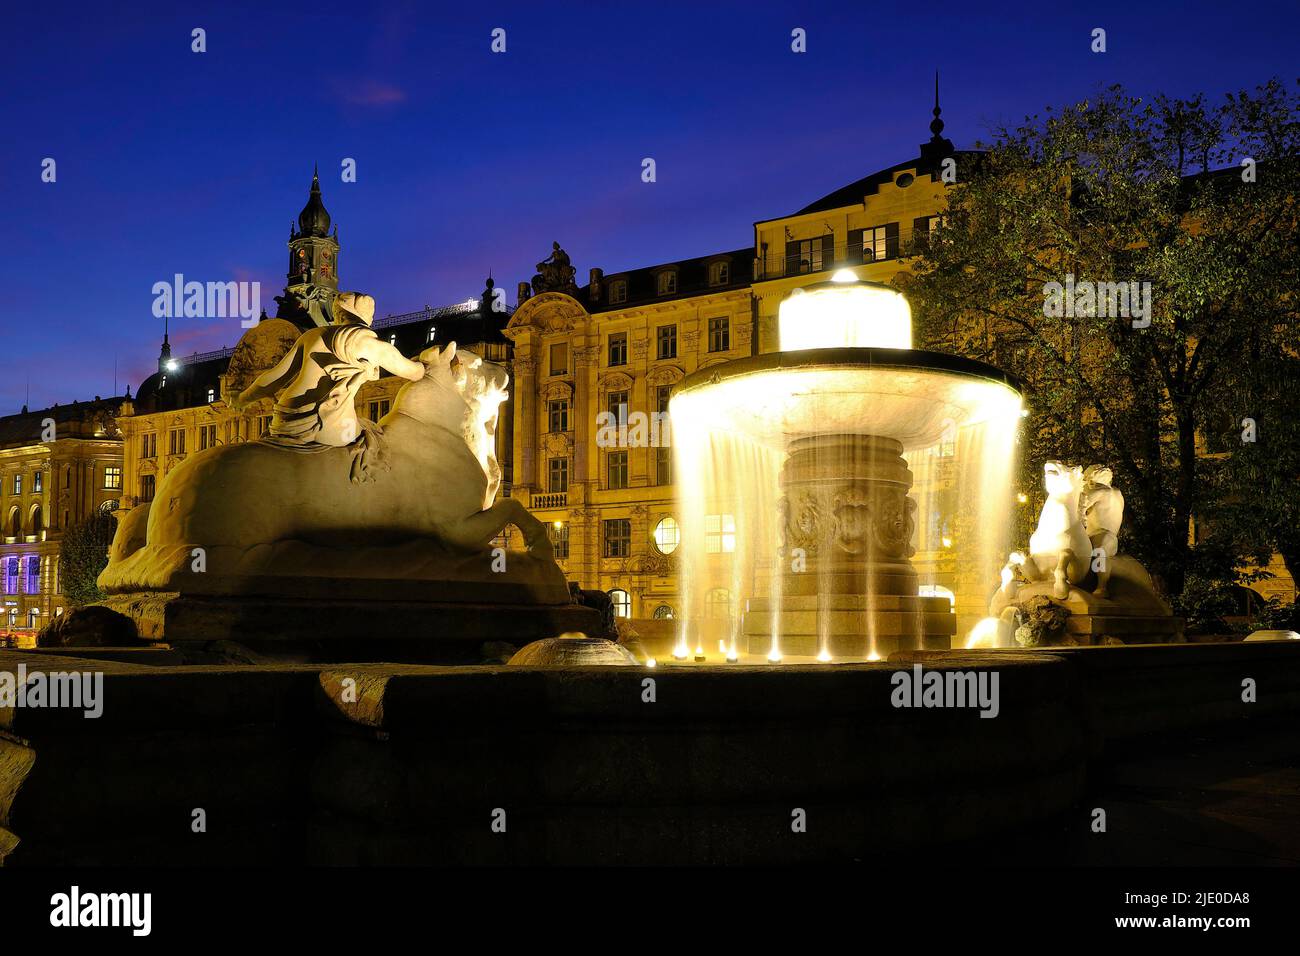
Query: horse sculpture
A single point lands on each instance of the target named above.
(260, 510)
(1059, 546)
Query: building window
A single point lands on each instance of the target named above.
(113, 478)
(618, 291)
(618, 348)
(33, 583)
(666, 282)
(663, 465)
(719, 534)
(18, 484)
(11, 575)
(719, 334)
(558, 477)
(149, 445)
(559, 540)
(923, 228)
(666, 338)
(810, 254)
(207, 436)
(717, 603)
(38, 480)
(664, 613)
(667, 535)
(617, 405)
(147, 484)
(719, 273)
(557, 415)
(622, 602)
(618, 537)
(616, 470)
(212, 395)
(559, 358)
(37, 524)
(176, 441)
(378, 409)
(663, 395)
(880, 243)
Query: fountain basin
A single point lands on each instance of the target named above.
(811, 452)
(906, 394)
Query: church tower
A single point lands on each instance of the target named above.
(313, 277)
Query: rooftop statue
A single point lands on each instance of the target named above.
(555, 273)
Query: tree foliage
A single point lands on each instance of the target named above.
(83, 554)
(1116, 189)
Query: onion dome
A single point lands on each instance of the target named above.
(314, 220)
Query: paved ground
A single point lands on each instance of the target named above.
(1224, 797)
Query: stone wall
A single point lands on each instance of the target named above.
(288, 768)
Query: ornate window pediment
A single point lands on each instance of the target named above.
(549, 312)
(616, 382)
(556, 391)
(665, 375)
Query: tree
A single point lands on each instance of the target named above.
(1116, 190)
(82, 555)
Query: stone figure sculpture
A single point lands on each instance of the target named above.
(264, 510)
(316, 383)
(1074, 586)
(1103, 512)
(1059, 546)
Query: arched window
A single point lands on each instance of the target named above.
(717, 603)
(664, 613)
(622, 602)
(14, 523)
(667, 535)
(37, 523)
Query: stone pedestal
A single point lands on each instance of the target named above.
(1131, 613)
(348, 627)
(847, 583)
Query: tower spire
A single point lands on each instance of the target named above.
(936, 124)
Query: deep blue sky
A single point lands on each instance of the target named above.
(171, 161)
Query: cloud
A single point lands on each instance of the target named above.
(373, 93)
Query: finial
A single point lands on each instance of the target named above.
(936, 124)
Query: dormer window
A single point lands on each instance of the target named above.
(617, 291)
(720, 273)
(666, 282)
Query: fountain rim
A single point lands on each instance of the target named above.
(849, 357)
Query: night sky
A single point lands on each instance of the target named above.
(171, 161)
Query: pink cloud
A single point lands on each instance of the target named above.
(374, 93)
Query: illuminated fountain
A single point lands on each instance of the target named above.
(809, 478)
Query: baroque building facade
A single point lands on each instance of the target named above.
(58, 467)
(620, 343)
